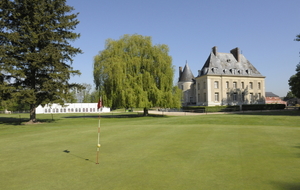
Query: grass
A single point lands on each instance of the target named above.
(231, 151)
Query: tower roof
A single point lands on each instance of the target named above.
(186, 75)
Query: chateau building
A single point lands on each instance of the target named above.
(225, 79)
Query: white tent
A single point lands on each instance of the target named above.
(71, 108)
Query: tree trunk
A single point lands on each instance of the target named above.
(32, 113)
(146, 112)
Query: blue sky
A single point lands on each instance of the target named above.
(264, 30)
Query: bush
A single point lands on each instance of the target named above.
(246, 107)
(203, 109)
(263, 107)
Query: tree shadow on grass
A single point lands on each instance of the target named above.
(115, 116)
(20, 121)
(286, 186)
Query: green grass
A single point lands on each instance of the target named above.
(230, 151)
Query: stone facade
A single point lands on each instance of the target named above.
(225, 79)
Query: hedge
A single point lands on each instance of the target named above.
(246, 107)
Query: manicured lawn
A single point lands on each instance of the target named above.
(238, 151)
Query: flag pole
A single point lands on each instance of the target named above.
(98, 145)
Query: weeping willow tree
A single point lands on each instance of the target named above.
(131, 72)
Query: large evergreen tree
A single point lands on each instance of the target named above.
(294, 81)
(35, 55)
(131, 72)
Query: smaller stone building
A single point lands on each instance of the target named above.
(272, 98)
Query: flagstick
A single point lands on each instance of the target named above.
(98, 145)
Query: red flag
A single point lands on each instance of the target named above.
(99, 103)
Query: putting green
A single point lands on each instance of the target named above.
(187, 152)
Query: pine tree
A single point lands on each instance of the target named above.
(131, 72)
(35, 55)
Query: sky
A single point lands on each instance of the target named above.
(264, 30)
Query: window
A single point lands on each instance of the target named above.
(216, 97)
(243, 97)
(242, 85)
(234, 96)
(228, 96)
(259, 96)
(258, 85)
(227, 84)
(198, 97)
(216, 84)
(198, 86)
(45, 110)
(251, 85)
(251, 97)
(181, 87)
(234, 85)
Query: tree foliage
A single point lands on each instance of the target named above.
(294, 81)
(35, 55)
(131, 72)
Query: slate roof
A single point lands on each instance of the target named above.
(186, 75)
(271, 94)
(228, 64)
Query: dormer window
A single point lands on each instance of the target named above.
(214, 69)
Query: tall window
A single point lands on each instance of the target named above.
(216, 84)
(251, 97)
(259, 96)
(228, 96)
(243, 97)
(198, 86)
(234, 85)
(198, 97)
(258, 85)
(216, 97)
(227, 84)
(234, 96)
(251, 85)
(242, 85)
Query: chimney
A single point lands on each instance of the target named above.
(214, 50)
(180, 71)
(236, 53)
